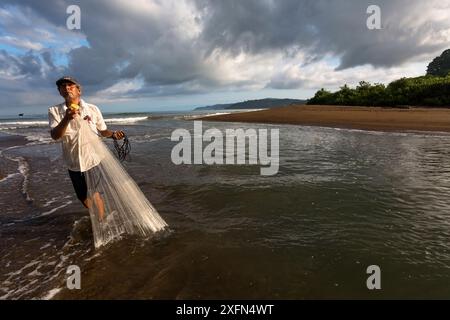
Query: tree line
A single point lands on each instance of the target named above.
(431, 90)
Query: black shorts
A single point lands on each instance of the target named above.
(79, 181)
(79, 184)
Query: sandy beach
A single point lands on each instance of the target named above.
(364, 118)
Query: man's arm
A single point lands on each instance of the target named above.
(58, 131)
(116, 135)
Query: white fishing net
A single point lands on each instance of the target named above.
(116, 204)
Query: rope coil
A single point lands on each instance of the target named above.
(123, 150)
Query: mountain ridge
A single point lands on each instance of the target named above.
(254, 104)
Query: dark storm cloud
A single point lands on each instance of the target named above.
(325, 27)
(167, 44)
(28, 65)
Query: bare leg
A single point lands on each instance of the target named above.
(98, 201)
(87, 203)
(100, 205)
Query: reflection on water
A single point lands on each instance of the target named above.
(342, 200)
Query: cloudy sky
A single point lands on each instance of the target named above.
(173, 54)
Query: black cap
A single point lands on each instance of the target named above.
(67, 79)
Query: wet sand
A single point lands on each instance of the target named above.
(7, 141)
(364, 118)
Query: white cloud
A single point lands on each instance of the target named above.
(323, 75)
(119, 90)
(154, 48)
(20, 43)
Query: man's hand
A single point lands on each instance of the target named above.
(71, 113)
(118, 135)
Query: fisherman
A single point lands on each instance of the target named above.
(64, 127)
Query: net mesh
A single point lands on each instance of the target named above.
(116, 204)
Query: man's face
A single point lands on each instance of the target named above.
(69, 91)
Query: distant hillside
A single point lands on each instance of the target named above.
(215, 107)
(254, 104)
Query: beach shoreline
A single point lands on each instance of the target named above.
(7, 141)
(362, 118)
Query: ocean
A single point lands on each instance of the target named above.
(342, 201)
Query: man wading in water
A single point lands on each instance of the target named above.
(65, 128)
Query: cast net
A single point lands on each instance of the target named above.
(116, 204)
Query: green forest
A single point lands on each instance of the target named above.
(431, 90)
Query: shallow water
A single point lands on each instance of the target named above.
(343, 200)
